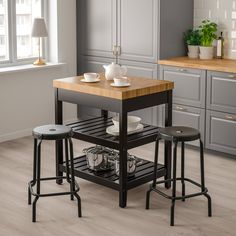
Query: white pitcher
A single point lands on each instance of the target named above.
(114, 71)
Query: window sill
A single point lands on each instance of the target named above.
(28, 67)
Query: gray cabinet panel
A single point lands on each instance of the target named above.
(191, 117)
(137, 30)
(97, 27)
(221, 132)
(146, 70)
(221, 93)
(190, 85)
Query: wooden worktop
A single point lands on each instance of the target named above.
(221, 65)
(139, 87)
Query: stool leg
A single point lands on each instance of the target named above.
(34, 171)
(38, 165)
(203, 179)
(68, 170)
(73, 177)
(172, 213)
(182, 170)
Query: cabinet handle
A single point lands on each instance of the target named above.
(228, 117)
(182, 70)
(232, 76)
(180, 108)
(114, 50)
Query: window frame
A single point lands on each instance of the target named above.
(12, 38)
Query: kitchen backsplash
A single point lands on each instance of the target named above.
(223, 12)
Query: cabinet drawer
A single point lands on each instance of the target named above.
(221, 92)
(221, 132)
(191, 117)
(189, 85)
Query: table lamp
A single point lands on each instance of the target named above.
(39, 31)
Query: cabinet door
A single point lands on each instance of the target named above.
(190, 85)
(137, 30)
(191, 117)
(221, 132)
(146, 70)
(221, 92)
(97, 27)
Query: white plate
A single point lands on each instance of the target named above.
(93, 81)
(120, 85)
(114, 131)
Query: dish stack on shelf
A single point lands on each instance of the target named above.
(133, 126)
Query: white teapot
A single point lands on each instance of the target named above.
(114, 70)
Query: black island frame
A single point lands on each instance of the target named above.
(122, 143)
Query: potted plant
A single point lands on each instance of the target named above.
(208, 31)
(192, 39)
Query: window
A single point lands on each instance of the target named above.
(16, 20)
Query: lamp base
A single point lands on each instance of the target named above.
(39, 62)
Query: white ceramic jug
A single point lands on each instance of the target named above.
(114, 71)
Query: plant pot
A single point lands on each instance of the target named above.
(193, 51)
(206, 53)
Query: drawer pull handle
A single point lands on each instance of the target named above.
(182, 70)
(232, 76)
(181, 109)
(230, 117)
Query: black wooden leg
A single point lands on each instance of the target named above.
(168, 122)
(172, 213)
(203, 179)
(59, 143)
(123, 160)
(104, 113)
(34, 171)
(38, 158)
(68, 170)
(182, 170)
(73, 178)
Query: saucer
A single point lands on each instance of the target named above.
(92, 81)
(115, 132)
(120, 85)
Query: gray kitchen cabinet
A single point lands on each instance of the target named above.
(191, 117)
(190, 85)
(221, 132)
(135, 30)
(221, 92)
(96, 27)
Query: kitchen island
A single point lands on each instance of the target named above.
(141, 94)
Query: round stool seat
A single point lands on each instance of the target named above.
(179, 134)
(52, 132)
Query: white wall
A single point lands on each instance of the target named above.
(223, 12)
(27, 97)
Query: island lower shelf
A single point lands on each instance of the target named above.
(144, 173)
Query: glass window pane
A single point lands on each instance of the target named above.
(26, 11)
(4, 42)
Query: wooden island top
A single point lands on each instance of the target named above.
(220, 65)
(139, 87)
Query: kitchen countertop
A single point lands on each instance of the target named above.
(139, 87)
(221, 65)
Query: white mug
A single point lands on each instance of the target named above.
(121, 81)
(90, 76)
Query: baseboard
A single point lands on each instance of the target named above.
(24, 133)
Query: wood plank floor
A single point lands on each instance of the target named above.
(101, 214)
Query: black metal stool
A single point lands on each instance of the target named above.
(176, 135)
(52, 132)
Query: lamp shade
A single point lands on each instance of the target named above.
(39, 28)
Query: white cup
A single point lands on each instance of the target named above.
(121, 81)
(89, 77)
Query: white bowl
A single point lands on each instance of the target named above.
(133, 122)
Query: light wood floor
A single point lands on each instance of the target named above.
(101, 214)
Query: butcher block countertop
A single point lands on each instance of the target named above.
(221, 65)
(139, 87)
